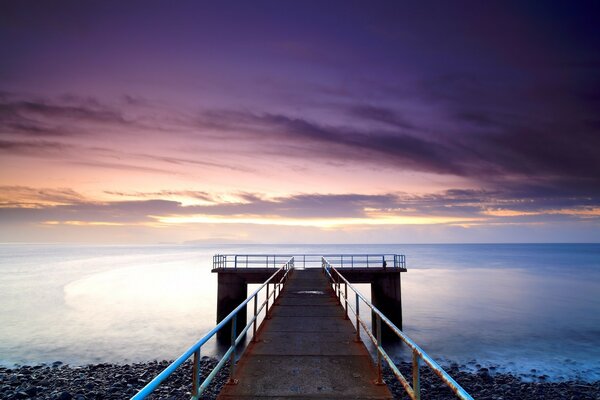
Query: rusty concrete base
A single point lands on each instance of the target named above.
(306, 350)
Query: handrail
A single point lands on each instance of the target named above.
(417, 353)
(350, 260)
(230, 354)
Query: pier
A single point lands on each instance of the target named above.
(307, 324)
(307, 348)
(237, 271)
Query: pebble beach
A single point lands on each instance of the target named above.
(121, 381)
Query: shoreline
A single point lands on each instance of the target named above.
(118, 381)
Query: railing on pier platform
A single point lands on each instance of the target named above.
(414, 391)
(309, 260)
(278, 280)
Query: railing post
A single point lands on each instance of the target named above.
(255, 318)
(357, 339)
(267, 312)
(235, 261)
(416, 375)
(379, 366)
(196, 375)
(346, 300)
(232, 359)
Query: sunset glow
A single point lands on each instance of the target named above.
(261, 122)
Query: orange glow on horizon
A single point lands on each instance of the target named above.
(324, 223)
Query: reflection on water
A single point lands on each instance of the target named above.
(518, 306)
(534, 320)
(114, 304)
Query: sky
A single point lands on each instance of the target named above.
(299, 121)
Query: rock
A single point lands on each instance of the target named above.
(56, 364)
(96, 382)
(65, 396)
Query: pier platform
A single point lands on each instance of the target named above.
(306, 350)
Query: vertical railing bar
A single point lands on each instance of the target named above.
(267, 311)
(196, 375)
(416, 376)
(379, 367)
(357, 319)
(339, 288)
(346, 300)
(338, 295)
(232, 359)
(255, 317)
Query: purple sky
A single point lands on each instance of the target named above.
(302, 121)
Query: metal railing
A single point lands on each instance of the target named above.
(418, 354)
(309, 260)
(278, 280)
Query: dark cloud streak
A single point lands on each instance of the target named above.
(68, 205)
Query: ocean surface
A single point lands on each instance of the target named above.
(517, 307)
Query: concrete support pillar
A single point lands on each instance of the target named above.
(386, 296)
(232, 290)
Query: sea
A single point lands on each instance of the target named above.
(529, 309)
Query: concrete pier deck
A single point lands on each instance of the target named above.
(306, 350)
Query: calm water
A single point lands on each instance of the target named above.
(518, 306)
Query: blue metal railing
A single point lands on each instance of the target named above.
(417, 353)
(309, 260)
(278, 280)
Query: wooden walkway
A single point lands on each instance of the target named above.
(306, 350)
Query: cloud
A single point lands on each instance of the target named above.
(42, 118)
(493, 147)
(23, 196)
(382, 115)
(38, 148)
(457, 206)
(540, 135)
(392, 149)
(194, 194)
